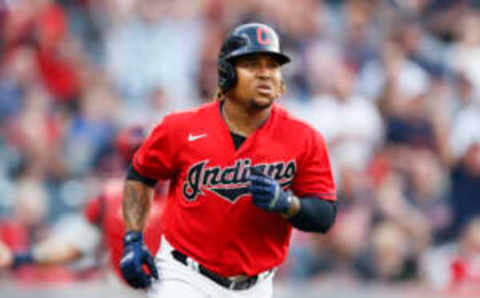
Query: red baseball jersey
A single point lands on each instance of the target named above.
(209, 214)
(105, 211)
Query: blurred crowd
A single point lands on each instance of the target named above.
(393, 85)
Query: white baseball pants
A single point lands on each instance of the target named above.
(178, 280)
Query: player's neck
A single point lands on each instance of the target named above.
(241, 120)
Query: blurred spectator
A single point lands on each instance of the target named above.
(419, 46)
(18, 74)
(464, 53)
(338, 250)
(91, 130)
(407, 198)
(141, 52)
(453, 268)
(43, 24)
(388, 258)
(359, 32)
(464, 93)
(352, 140)
(465, 129)
(465, 188)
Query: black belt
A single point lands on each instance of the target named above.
(223, 281)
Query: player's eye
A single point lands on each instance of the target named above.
(273, 64)
(247, 63)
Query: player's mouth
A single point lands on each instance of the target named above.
(264, 88)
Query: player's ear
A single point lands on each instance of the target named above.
(283, 88)
(219, 95)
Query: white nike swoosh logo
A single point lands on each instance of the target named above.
(192, 138)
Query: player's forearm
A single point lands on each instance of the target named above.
(137, 200)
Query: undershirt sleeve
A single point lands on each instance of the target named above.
(315, 215)
(132, 174)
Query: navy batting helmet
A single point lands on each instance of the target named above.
(247, 39)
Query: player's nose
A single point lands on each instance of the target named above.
(264, 75)
(263, 70)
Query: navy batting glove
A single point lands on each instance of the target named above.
(268, 194)
(135, 255)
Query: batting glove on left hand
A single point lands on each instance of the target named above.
(135, 255)
(268, 194)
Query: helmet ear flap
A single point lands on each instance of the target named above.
(227, 75)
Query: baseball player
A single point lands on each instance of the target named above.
(243, 172)
(101, 223)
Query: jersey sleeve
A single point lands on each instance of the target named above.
(314, 175)
(155, 158)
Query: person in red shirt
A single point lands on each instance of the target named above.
(101, 223)
(105, 213)
(243, 172)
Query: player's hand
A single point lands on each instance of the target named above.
(268, 194)
(6, 256)
(135, 255)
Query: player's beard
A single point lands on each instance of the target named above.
(256, 104)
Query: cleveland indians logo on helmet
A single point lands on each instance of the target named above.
(263, 36)
(230, 183)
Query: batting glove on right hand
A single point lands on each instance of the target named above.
(268, 194)
(135, 255)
